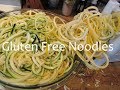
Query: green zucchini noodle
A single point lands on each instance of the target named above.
(28, 67)
(39, 67)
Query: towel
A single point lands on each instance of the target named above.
(9, 5)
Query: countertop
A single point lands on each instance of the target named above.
(106, 79)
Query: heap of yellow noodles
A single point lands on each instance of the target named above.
(89, 27)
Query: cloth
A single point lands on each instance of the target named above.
(9, 5)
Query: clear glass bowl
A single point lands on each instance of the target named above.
(47, 86)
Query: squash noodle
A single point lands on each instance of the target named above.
(89, 27)
(28, 67)
(38, 67)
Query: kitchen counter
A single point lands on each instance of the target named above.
(106, 79)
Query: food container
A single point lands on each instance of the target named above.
(47, 86)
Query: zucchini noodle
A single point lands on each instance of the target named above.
(39, 67)
(89, 27)
(28, 67)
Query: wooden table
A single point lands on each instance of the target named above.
(106, 79)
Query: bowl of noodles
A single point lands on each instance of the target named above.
(34, 46)
(36, 68)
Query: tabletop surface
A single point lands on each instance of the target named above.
(106, 79)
